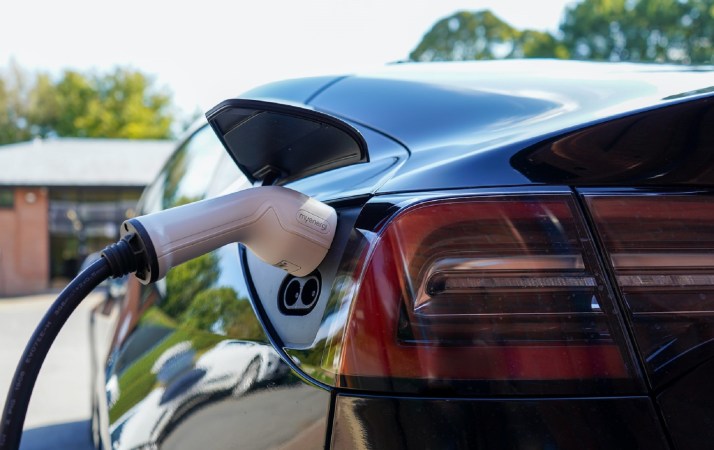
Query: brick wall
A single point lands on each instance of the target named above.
(24, 243)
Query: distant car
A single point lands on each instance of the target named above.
(524, 259)
(185, 383)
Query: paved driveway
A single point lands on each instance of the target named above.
(60, 406)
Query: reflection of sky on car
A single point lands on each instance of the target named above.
(173, 361)
(332, 323)
(230, 272)
(202, 167)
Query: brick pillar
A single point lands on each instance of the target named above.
(24, 243)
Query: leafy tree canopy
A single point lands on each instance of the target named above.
(641, 30)
(185, 281)
(123, 103)
(219, 310)
(678, 31)
(482, 35)
(13, 109)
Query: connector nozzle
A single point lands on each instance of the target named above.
(281, 226)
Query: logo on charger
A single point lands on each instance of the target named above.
(312, 221)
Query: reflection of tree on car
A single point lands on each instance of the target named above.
(219, 310)
(186, 381)
(192, 299)
(183, 284)
(194, 363)
(191, 313)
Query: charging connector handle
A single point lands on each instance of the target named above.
(281, 226)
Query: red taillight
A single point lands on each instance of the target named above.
(662, 250)
(503, 290)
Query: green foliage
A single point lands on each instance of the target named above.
(74, 92)
(211, 306)
(536, 44)
(137, 381)
(154, 316)
(13, 108)
(678, 31)
(123, 103)
(185, 281)
(221, 310)
(44, 109)
(125, 106)
(201, 309)
(192, 299)
(481, 35)
(644, 30)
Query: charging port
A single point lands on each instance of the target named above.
(298, 295)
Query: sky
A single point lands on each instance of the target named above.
(207, 51)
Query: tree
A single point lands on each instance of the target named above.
(641, 30)
(74, 93)
(481, 35)
(44, 109)
(185, 281)
(679, 31)
(123, 103)
(14, 125)
(219, 310)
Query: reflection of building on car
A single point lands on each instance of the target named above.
(523, 260)
(186, 381)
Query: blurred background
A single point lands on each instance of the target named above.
(94, 95)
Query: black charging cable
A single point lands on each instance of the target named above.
(117, 260)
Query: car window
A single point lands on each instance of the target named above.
(200, 165)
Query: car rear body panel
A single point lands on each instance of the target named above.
(420, 423)
(537, 126)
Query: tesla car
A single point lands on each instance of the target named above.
(524, 258)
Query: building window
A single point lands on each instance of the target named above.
(7, 198)
(84, 220)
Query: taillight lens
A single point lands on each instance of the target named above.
(496, 294)
(662, 250)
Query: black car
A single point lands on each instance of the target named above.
(524, 259)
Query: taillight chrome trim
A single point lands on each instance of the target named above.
(672, 281)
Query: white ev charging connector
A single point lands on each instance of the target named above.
(283, 227)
